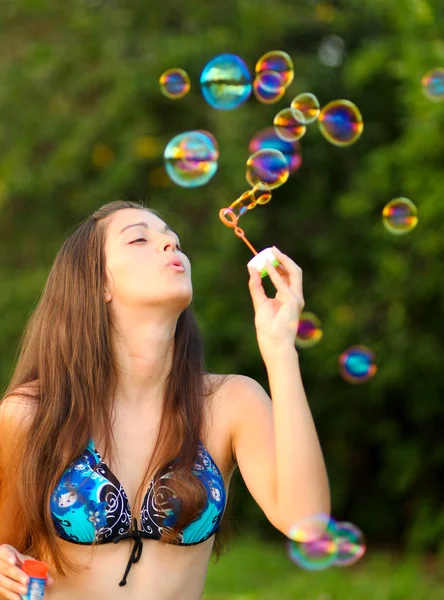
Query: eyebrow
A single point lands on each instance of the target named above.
(146, 226)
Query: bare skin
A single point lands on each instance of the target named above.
(146, 295)
(164, 572)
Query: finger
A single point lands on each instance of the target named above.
(9, 595)
(12, 587)
(278, 280)
(9, 554)
(257, 292)
(13, 573)
(294, 271)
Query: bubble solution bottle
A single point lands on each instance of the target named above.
(37, 572)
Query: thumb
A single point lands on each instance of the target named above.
(256, 289)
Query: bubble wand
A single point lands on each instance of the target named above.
(248, 201)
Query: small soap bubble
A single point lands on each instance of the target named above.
(268, 87)
(433, 85)
(351, 544)
(400, 216)
(226, 82)
(288, 124)
(191, 158)
(309, 330)
(313, 543)
(308, 105)
(267, 169)
(341, 122)
(250, 199)
(278, 61)
(174, 83)
(267, 138)
(357, 364)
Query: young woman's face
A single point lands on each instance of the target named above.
(138, 257)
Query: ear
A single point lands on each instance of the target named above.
(107, 296)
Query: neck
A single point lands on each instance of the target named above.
(144, 355)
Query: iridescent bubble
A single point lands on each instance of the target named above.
(357, 364)
(191, 158)
(288, 125)
(268, 87)
(400, 216)
(268, 169)
(433, 84)
(318, 549)
(279, 61)
(308, 105)
(267, 138)
(174, 83)
(225, 82)
(351, 544)
(341, 122)
(309, 330)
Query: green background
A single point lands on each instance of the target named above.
(83, 122)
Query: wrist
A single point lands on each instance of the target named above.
(277, 351)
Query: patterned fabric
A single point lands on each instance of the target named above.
(89, 504)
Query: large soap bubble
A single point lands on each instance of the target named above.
(307, 105)
(267, 138)
(268, 87)
(191, 158)
(340, 122)
(268, 169)
(278, 61)
(226, 82)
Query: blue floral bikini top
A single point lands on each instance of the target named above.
(89, 504)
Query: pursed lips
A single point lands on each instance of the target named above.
(176, 262)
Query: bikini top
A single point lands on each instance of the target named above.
(89, 504)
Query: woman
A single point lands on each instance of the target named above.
(112, 430)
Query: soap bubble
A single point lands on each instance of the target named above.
(341, 122)
(433, 84)
(309, 330)
(191, 158)
(174, 83)
(313, 544)
(351, 544)
(279, 61)
(308, 106)
(268, 87)
(331, 50)
(357, 364)
(400, 216)
(288, 124)
(225, 82)
(267, 138)
(268, 168)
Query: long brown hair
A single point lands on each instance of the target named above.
(66, 349)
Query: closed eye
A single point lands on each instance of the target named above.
(144, 240)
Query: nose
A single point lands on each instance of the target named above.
(168, 244)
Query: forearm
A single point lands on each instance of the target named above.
(302, 487)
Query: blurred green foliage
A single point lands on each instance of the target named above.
(82, 122)
(263, 571)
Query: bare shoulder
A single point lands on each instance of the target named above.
(234, 390)
(235, 401)
(18, 408)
